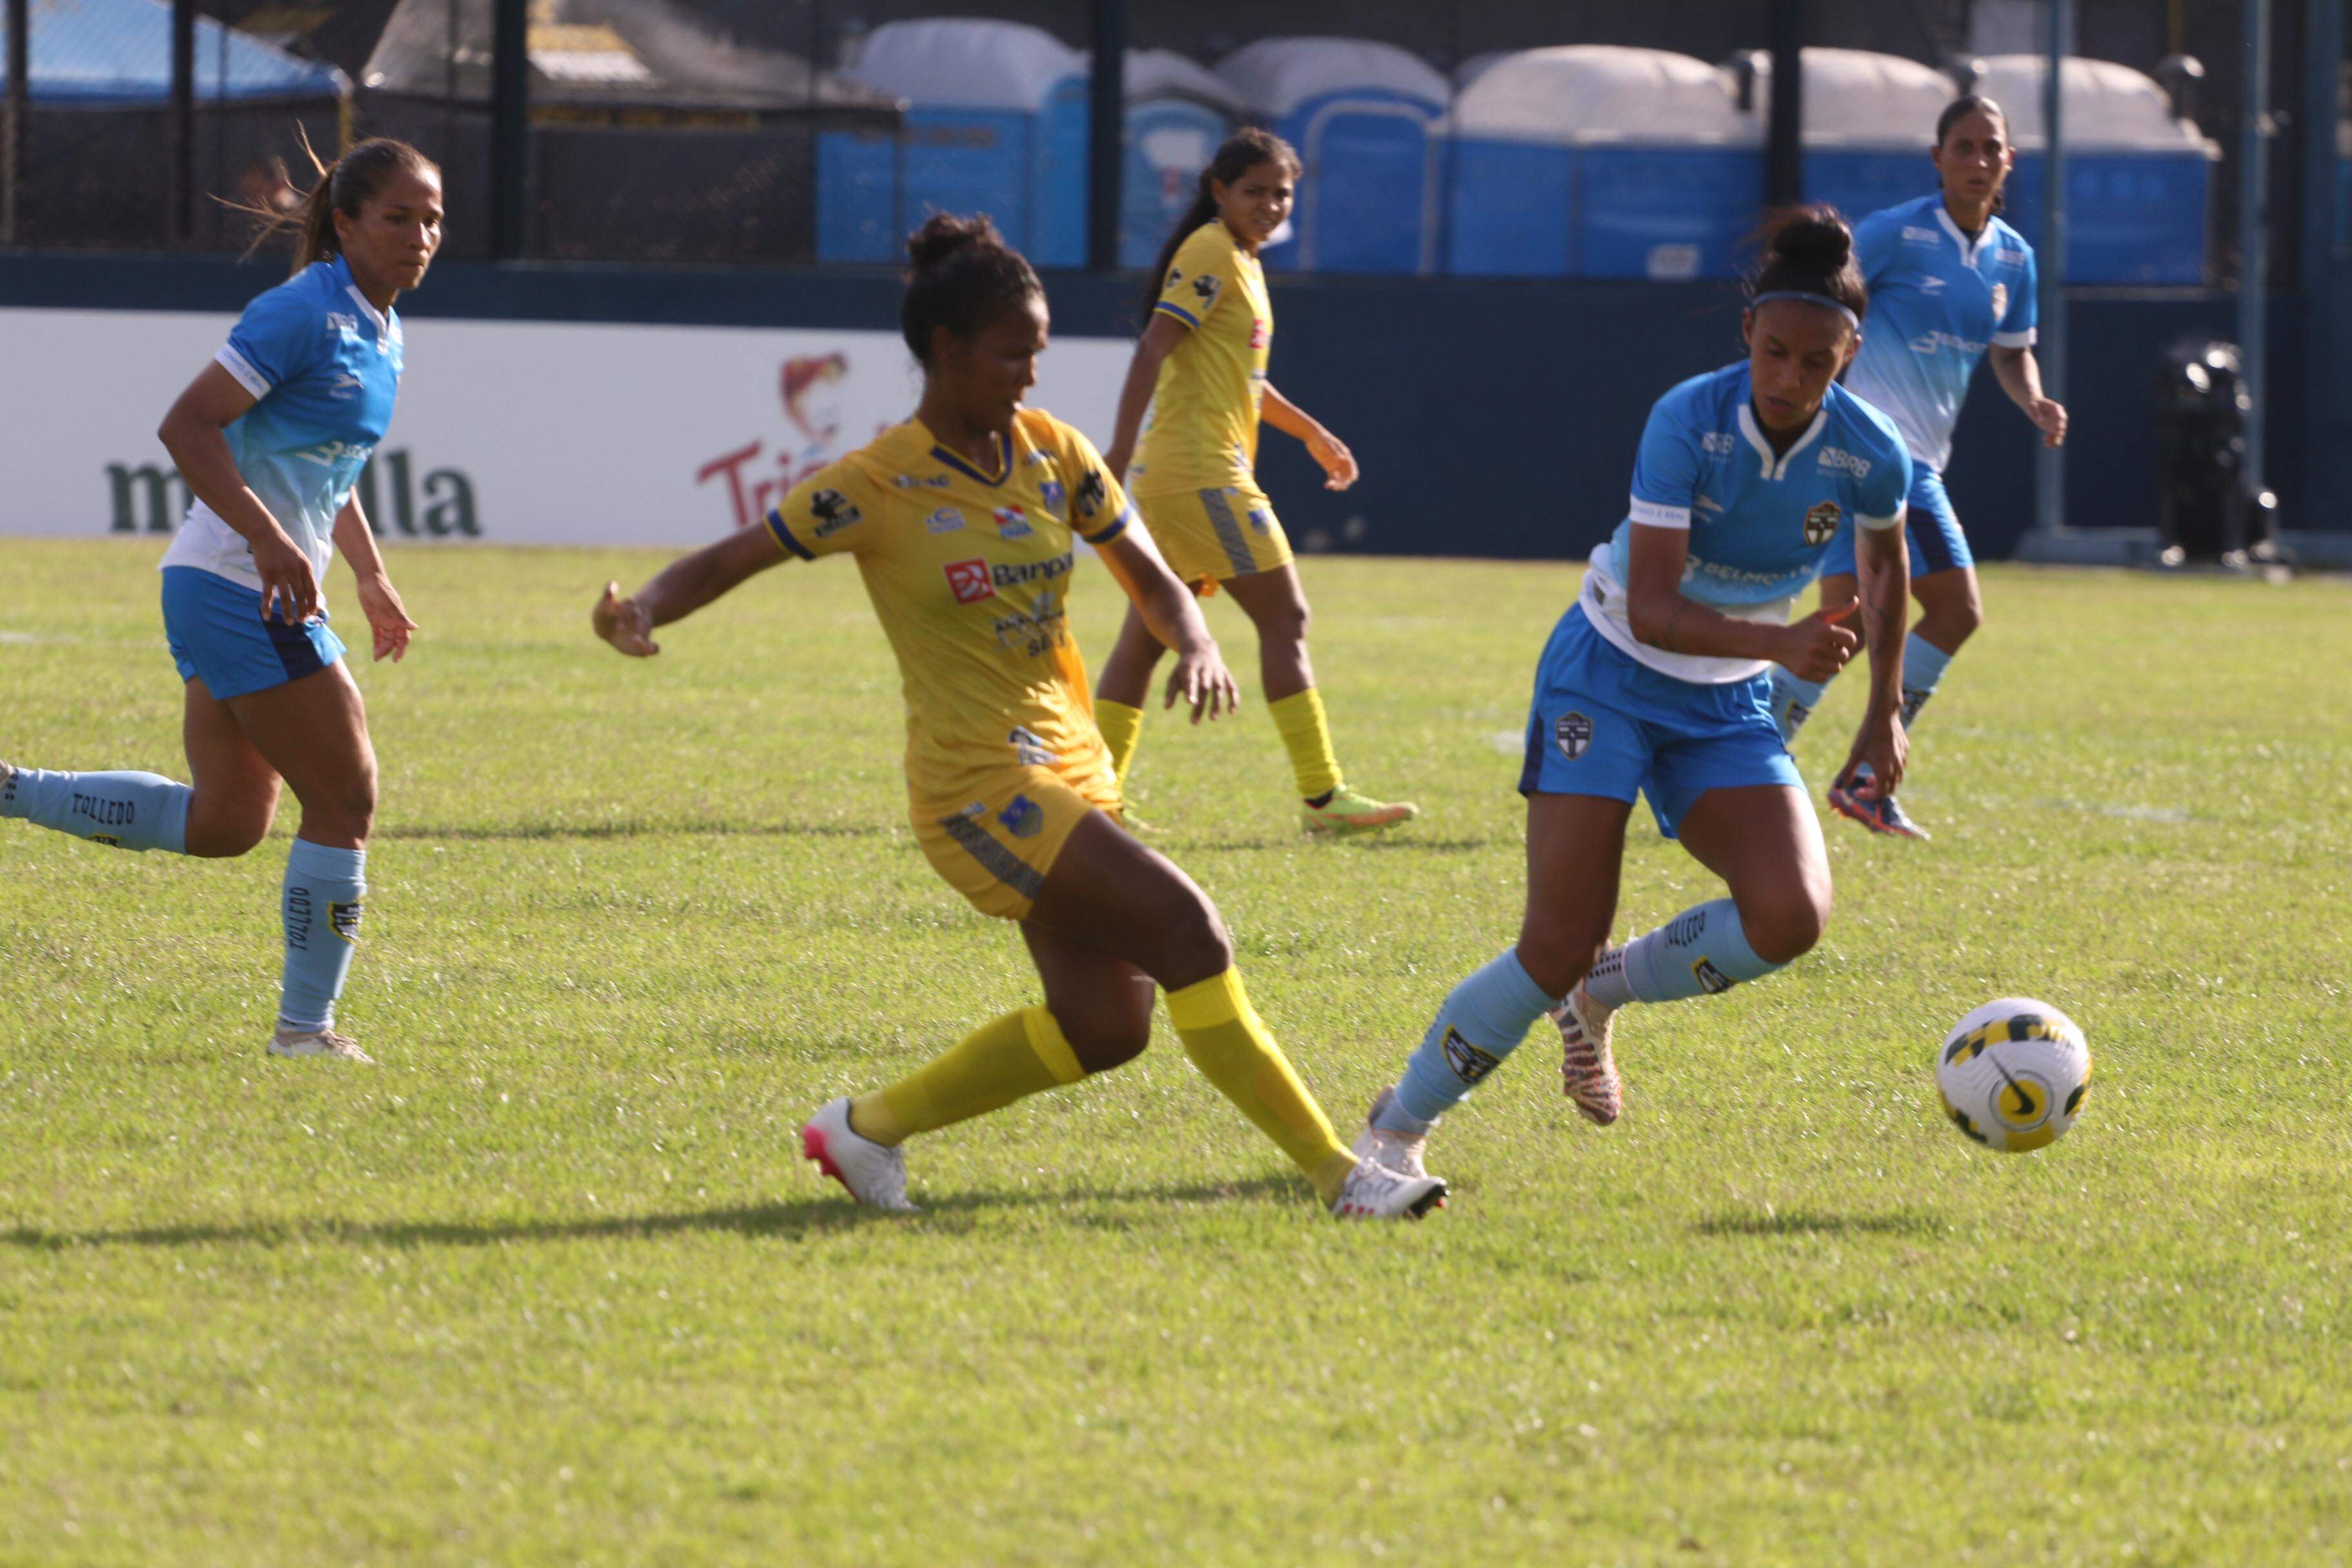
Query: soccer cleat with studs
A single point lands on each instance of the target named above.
(1387, 1147)
(1588, 1069)
(875, 1174)
(291, 1042)
(1373, 1190)
(1880, 814)
(1347, 813)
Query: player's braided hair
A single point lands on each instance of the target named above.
(344, 187)
(1243, 151)
(1809, 251)
(960, 274)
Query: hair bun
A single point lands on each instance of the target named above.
(1813, 238)
(945, 235)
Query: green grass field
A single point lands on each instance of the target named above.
(551, 1285)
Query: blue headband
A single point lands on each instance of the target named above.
(1824, 301)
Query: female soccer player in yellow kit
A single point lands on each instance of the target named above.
(1201, 366)
(961, 520)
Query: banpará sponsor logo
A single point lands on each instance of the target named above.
(151, 497)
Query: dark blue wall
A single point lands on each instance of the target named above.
(1491, 418)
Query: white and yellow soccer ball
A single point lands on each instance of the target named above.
(2013, 1074)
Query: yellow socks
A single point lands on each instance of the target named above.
(1306, 736)
(1230, 1044)
(996, 1063)
(1121, 727)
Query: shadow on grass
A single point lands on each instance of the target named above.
(1814, 1222)
(635, 829)
(798, 1217)
(1370, 843)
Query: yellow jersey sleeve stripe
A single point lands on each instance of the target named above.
(1178, 311)
(1114, 528)
(785, 535)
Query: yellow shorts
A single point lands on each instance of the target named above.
(996, 847)
(1210, 535)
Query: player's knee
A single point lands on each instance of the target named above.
(1782, 925)
(1286, 623)
(1113, 1037)
(1556, 954)
(1195, 944)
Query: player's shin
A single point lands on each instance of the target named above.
(1122, 729)
(1231, 1045)
(1306, 733)
(126, 810)
(321, 905)
(1701, 952)
(1483, 1020)
(1004, 1059)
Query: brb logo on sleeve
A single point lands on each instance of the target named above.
(970, 581)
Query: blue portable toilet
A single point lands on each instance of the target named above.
(1869, 120)
(996, 123)
(1178, 112)
(1596, 160)
(2137, 176)
(1364, 117)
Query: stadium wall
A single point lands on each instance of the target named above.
(612, 404)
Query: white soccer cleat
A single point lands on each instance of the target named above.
(875, 1174)
(326, 1043)
(1587, 1070)
(1386, 1147)
(1375, 1191)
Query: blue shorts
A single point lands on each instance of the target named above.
(1605, 723)
(1930, 523)
(217, 631)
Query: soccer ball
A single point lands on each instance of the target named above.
(2013, 1073)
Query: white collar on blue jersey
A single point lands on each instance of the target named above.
(1969, 247)
(1776, 464)
(344, 275)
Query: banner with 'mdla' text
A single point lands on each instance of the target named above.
(505, 432)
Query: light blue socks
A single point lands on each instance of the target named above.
(129, 811)
(1793, 701)
(324, 888)
(1482, 1021)
(1702, 951)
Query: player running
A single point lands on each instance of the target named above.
(270, 437)
(1653, 683)
(1201, 367)
(1948, 279)
(961, 520)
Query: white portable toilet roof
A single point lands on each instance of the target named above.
(1477, 65)
(1164, 73)
(1275, 76)
(2107, 105)
(1858, 98)
(966, 63)
(1583, 93)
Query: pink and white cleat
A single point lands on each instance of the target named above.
(1588, 1072)
(875, 1174)
(1385, 1146)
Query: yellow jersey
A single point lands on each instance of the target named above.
(1203, 429)
(968, 567)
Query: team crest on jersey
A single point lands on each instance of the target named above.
(1999, 302)
(1822, 522)
(1012, 523)
(947, 519)
(1022, 817)
(834, 511)
(970, 581)
(1572, 732)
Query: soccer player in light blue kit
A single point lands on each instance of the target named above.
(270, 437)
(1948, 280)
(1653, 684)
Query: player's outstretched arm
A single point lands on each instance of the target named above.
(1883, 562)
(1338, 464)
(1158, 341)
(1199, 677)
(682, 587)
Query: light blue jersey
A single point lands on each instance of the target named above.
(1758, 521)
(1937, 300)
(324, 365)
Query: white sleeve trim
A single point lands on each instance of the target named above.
(238, 365)
(1654, 514)
(1883, 522)
(2023, 340)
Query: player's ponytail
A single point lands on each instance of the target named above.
(960, 274)
(1808, 252)
(344, 187)
(1243, 151)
